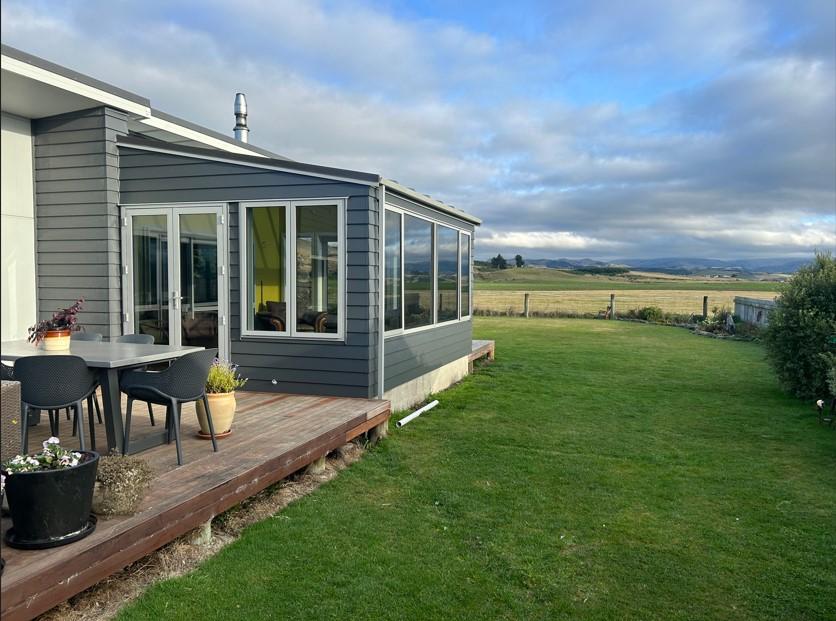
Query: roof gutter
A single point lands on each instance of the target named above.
(429, 201)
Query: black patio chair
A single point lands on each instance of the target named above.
(183, 382)
(53, 383)
(139, 339)
(92, 337)
(95, 337)
(7, 372)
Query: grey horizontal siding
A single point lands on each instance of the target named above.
(411, 355)
(76, 202)
(300, 366)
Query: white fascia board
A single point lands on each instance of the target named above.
(74, 86)
(197, 136)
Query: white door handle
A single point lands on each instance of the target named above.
(175, 299)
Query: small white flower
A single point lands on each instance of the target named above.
(820, 403)
(52, 440)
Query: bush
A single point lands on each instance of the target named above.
(801, 336)
(651, 313)
(717, 321)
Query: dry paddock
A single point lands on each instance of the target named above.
(590, 302)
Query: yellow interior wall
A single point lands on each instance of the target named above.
(268, 237)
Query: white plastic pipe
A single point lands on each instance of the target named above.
(416, 414)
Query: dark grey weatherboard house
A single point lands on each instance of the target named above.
(170, 229)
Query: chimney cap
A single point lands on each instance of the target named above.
(240, 103)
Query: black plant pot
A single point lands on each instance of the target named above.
(52, 507)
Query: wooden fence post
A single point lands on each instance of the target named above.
(705, 307)
(612, 306)
(526, 304)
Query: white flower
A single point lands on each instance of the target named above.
(820, 403)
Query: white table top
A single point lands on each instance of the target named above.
(103, 355)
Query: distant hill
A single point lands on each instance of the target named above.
(682, 265)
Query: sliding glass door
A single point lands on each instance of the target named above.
(174, 275)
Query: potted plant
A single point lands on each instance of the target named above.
(221, 384)
(121, 484)
(55, 333)
(50, 495)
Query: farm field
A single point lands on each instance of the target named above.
(546, 279)
(592, 301)
(596, 470)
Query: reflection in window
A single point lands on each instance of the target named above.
(317, 260)
(418, 272)
(464, 271)
(447, 249)
(392, 259)
(150, 278)
(266, 252)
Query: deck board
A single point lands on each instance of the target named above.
(274, 436)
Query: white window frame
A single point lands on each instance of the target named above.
(458, 276)
(435, 223)
(469, 236)
(291, 331)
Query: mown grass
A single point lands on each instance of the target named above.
(546, 279)
(597, 470)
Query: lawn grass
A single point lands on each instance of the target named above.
(548, 279)
(597, 470)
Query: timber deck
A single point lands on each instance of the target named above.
(481, 349)
(274, 435)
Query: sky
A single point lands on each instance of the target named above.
(588, 128)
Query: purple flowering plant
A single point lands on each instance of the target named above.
(64, 319)
(224, 377)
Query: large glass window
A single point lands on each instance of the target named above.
(418, 272)
(266, 258)
(464, 271)
(392, 286)
(151, 294)
(447, 253)
(317, 263)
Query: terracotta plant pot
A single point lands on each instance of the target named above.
(222, 405)
(56, 340)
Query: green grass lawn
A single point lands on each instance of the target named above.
(546, 279)
(597, 470)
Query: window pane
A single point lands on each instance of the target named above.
(392, 260)
(317, 260)
(199, 279)
(151, 294)
(464, 271)
(448, 273)
(266, 259)
(418, 272)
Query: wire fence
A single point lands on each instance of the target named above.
(592, 303)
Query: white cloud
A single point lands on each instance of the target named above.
(727, 164)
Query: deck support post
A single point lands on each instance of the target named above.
(202, 535)
(317, 466)
(378, 432)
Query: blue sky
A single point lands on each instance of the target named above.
(574, 128)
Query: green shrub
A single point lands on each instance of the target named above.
(223, 377)
(651, 313)
(801, 336)
(716, 322)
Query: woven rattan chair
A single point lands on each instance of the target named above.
(183, 382)
(53, 383)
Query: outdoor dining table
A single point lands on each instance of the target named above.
(108, 359)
